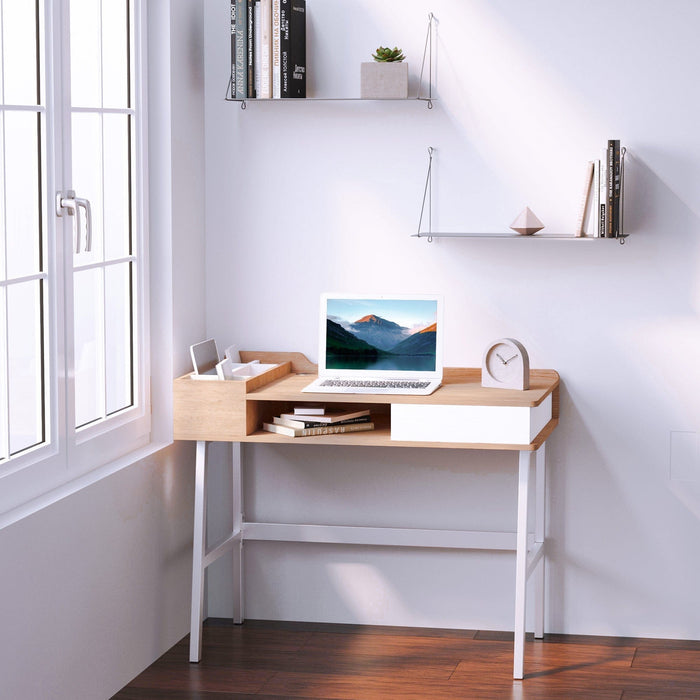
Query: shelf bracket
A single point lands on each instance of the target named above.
(427, 54)
(622, 235)
(427, 196)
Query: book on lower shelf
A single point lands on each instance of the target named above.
(328, 417)
(305, 422)
(323, 429)
(310, 409)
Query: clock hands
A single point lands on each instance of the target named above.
(505, 362)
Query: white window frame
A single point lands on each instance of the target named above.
(71, 458)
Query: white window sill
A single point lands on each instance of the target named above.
(71, 487)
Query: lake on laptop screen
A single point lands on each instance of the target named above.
(381, 334)
(372, 338)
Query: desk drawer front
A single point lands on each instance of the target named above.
(500, 425)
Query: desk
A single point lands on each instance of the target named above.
(461, 414)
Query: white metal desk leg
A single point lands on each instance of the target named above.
(198, 550)
(521, 562)
(540, 524)
(237, 466)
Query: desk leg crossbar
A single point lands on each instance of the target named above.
(529, 550)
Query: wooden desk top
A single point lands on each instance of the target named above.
(234, 411)
(460, 387)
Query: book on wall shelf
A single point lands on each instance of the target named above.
(600, 215)
(268, 49)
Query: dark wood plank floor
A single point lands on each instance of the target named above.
(273, 660)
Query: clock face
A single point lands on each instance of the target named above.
(505, 365)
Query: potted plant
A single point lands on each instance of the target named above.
(385, 78)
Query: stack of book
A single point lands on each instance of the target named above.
(268, 49)
(601, 207)
(319, 421)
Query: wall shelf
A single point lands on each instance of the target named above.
(419, 97)
(430, 234)
(543, 236)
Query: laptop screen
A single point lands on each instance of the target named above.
(381, 335)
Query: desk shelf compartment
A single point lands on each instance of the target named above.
(217, 410)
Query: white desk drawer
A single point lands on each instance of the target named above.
(500, 425)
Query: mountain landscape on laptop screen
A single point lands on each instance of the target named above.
(381, 334)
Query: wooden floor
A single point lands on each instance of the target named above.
(266, 660)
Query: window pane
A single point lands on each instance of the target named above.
(22, 193)
(116, 185)
(25, 362)
(115, 53)
(85, 60)
(19, 43)
(89, 349)
(118, 334)
(87, 177)
(4, 436)
(2, 197)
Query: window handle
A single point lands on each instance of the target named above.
(68, 203)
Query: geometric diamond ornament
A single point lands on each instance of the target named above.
(527, 223)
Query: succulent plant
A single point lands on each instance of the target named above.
(386, 55)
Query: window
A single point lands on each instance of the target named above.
(73, 311)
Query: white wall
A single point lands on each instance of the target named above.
(315, 196)
(95, 587)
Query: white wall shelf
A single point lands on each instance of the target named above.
(539, 237)
(421, 96)
(430, 234)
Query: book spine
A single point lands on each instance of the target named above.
(610, 185)
(602, 232)
(324, 430)
(241, 81)
(297, 49)
(257, 26)
(595, 204)
(233, 48)
(275, 48)
(585, 200)
(333, 429)
(615, 210)
(284, 48)
(250, 23)
(265, 48)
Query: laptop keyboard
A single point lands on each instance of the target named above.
(375, 383)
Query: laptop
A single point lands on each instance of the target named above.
(379, 344)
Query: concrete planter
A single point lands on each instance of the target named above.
(384, 81)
